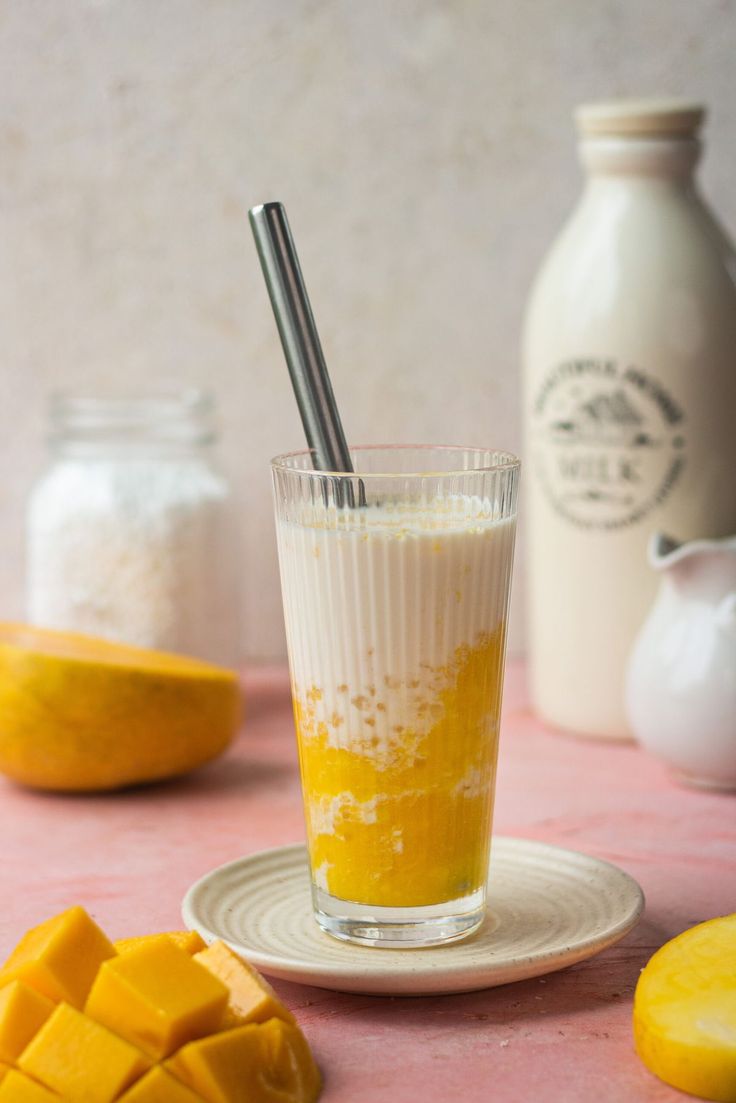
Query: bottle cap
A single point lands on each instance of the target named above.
(659, 117)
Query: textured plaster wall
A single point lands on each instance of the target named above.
(426, 155)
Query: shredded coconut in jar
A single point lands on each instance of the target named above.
(134, 548)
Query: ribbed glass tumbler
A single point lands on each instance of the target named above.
(395, 585)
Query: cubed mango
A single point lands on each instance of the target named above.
(80, 1059)
(185, 940)
(157, 997)
(258, 1063)
(23, 1011)
(17, 1088)
(159, 1086)
(252, 999)
(60, 957)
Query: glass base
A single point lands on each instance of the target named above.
(397, 928)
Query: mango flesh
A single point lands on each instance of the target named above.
(258, 1063)
(23, 1011)
(17, 1088)
(144, 1003)
(159, 1086)
(158, 997)
(685, 1011)
(80, 713)
(251, 997)
(185, 940)
(60, 957)
(78, 1058)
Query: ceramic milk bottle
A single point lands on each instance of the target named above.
(630, 402)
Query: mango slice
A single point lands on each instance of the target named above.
(80, 1059)
(685, 1011)
(157, 997)
(4, 1070)
(185, 940)
(158, 1086)
(17, 1088)
(82, 713)
(258, 1063)
(60, 958)
(252, 999)
(23, 1011)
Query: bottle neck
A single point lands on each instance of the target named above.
(646, 159)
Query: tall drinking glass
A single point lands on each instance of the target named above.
(395, 584)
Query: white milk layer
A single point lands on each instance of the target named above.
(390, 593)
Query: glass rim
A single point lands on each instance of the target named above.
(507, 462)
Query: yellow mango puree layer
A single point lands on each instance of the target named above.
(398, 785)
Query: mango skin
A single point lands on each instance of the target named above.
(81, 714)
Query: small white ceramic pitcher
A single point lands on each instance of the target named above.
(681, 679)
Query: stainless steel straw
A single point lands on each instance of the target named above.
(301, 344)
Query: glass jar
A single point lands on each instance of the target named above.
(129, 528)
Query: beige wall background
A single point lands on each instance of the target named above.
(425, 152)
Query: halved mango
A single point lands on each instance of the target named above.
(82, 713)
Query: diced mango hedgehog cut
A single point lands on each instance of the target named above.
(166, 1020)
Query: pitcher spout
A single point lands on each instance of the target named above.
(665, 553)
(662, 550)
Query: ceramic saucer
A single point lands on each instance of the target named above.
(547, 908)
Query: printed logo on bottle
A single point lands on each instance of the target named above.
(608, 442)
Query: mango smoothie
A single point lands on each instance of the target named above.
(395, 616)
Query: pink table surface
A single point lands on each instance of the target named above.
(130, 857)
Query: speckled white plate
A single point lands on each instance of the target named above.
(547, 908)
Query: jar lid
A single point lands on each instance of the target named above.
(659, 117)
